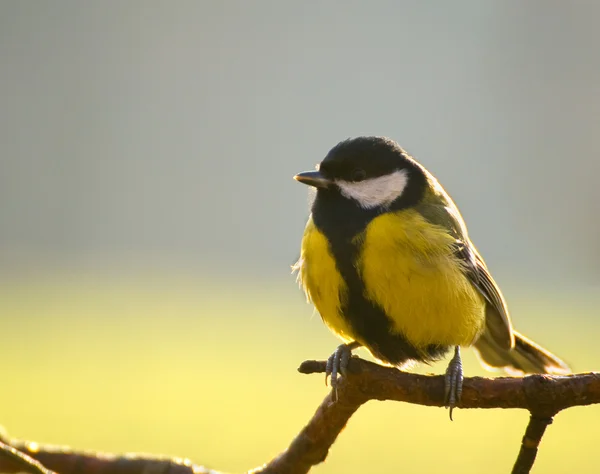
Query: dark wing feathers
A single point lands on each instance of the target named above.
(497, 318)
(443, 212)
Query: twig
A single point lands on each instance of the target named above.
(20, 461)
(67, 461)
(529, 446)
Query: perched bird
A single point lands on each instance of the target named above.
(388, 264)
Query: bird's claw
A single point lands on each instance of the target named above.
(453, 381)
(337, 364)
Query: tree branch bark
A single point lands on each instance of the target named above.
(66, 461)
(15, 460)
(529, 446)
(542, 395)
(539, 393)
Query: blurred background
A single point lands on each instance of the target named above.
(148, 216)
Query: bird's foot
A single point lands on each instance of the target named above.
(338, 363)
(453, 381)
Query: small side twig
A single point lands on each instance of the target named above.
(529, 446)
(21, 461)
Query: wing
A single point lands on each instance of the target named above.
(497, 319)
(441, 211)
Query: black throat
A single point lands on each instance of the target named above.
(339, 218)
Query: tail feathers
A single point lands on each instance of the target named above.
(525, 357)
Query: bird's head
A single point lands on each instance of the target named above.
(375, 173)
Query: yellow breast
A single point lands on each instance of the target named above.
(321, 281)
(408, 267)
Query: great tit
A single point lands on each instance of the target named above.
(388, 264)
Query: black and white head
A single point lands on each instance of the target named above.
(373, 174)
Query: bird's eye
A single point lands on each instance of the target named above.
(358, 175)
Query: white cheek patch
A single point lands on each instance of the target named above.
(375, 192)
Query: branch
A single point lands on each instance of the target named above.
(18, 461)
(542, 395)
(66, 461)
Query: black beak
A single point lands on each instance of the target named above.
(313, 178)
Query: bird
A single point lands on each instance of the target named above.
(387, 262)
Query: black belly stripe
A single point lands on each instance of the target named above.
(366, 318)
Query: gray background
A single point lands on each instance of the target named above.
(167, 133)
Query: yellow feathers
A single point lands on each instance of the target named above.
(408, 268)
(321, 281)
